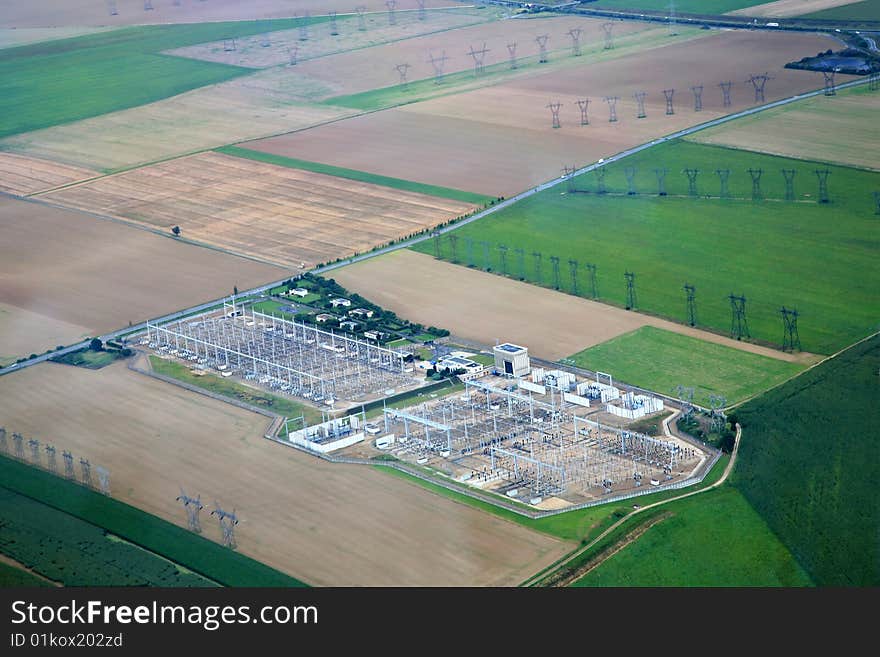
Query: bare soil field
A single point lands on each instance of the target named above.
(325, 524)
(284, 215)
(825, 129)
(787, 8)
(244, 108)
(56, 13)
(252, 52)
(484, 307)
(64, 274)
(498, 140)
(25, 175)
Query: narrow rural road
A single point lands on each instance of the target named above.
(416, 240)
(574, 555)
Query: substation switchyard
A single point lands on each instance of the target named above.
(285, 356)
(502, 437)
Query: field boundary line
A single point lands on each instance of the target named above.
(536, 579)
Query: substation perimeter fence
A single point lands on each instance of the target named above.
(500, 502)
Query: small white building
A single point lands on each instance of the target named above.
(635, 406)
(361, 312)
(325, 317)
(349, 325)
(375, 335)
(299, 292)
(336, 303)
(511, 359)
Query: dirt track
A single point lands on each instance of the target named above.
(498, 140)
(283, 215)
(484, 307)
(324, 523)
(72, 274)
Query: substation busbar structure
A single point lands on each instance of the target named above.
(544, 447)
(296, 358)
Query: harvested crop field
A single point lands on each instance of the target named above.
(56, 13)
(79, 274)
(25, 175)
(288, 216)
(243, 108)
(326, 524)
(787, 8)
(498, 140)
(833, 130)
(261, 51)
(484, 307)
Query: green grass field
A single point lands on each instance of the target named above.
(659, 360)
(360, 176)
(714, 539)
(707, 7)
(66, 549)
(809, 462)
(56, 82)
(191, 551)
(93, 360)
(280, 405)
(868, 10)
(818, 258)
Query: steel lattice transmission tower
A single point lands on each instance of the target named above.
(304, 27)
(640, 101)
(668, 94)
(600, 180)
(789, 175)
(685, 397)
(758, 82)
(362, 17)
(18, 445)
(692, 181)
(423, 12)
(193, 506)
(103, 479)
(697, 90)
(630, 173)
(554, 111)
(334, 28)
(86, 470)
(479, 58)
(725, 92)
(691, 297)
(584, 106)
(111, 8)
(292, 52)
(539, 274)
(542, 40)
(392, 13)
(511, 54)
(554, 262)
(612, 108)
(573, 274)
(402, 70)
(739, 326)
(487, 263)
(436, 240)
(630, 278)
(723, 176)
(453, 245)
(521, 263)
(228, 521)
(822, 175)
(469, 250)
(661, 181)
(148, 5)
(438, 63)
(594, 283)
(790, 340)
(4, 446)
(756, 183)
(68, 465)
(502, 252)
(51, 461)
(830, 89)
(34, 446)
(568, 175)
(575, 34)
(608, 29)
(718, 418)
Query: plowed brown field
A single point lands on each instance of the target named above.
(284, 215)
(498, 140)
(324, 523)
(64, 274)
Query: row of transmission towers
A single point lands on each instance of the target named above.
(14, 445)
(228, 520)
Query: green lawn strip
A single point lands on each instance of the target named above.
(714, 539)
(411, 397)
(286, 407)
(809, 462)
(766, 250)
(273, 308)
(11, 576)
(868, 10)
(55, 82)
(483, 359)
(400, 342)
(658, 360)
(360, 176)
(193, 552)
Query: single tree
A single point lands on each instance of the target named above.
(96, 344)
(176, 231)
